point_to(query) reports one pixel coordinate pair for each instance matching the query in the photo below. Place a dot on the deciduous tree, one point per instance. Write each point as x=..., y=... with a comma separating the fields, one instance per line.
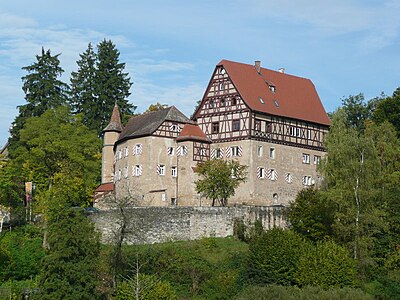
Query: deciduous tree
x=219, y=179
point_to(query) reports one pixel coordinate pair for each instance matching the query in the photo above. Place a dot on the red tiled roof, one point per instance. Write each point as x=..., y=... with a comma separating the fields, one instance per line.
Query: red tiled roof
x=192, y=132
x=295, y=97
x=105, y=187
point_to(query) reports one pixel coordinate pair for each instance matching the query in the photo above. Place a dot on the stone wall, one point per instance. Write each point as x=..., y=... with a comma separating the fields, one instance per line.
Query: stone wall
x=148, y=225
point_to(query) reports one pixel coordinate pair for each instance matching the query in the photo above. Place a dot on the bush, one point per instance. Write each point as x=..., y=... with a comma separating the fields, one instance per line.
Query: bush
x=273, y=257
x=276, y=292
x=326, y=265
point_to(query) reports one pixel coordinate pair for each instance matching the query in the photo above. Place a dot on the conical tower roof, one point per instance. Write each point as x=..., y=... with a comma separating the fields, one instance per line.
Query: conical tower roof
x=115, y=122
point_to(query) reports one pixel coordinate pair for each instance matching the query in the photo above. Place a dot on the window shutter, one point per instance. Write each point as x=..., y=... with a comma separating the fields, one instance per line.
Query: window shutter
x=228, y=152
x=212, y=153
x=158, y=169
x=259, y=172
x=240, y=151
x=140, y=170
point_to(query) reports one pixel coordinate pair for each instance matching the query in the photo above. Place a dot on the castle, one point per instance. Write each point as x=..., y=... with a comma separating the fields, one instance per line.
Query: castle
x=270, y=121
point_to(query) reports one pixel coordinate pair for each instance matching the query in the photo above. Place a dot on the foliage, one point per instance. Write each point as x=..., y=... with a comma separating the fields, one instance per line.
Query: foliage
x=350, y=171
x=388, y=109
x=112, y=86
x=210, y=268
x=326, y=265
x=83, y=90
x=69, y=267
x=311, y=215
x=43, y=90
x=219, y=179
x=20, y=254
x=357, y=111
x=60, y=149
x=155, y=107
x=273, y=292
x=274, y=256
x=146, y=287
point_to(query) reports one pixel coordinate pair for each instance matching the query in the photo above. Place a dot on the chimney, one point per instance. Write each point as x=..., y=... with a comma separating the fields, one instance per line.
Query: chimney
x=281, y=70
x=257, y=65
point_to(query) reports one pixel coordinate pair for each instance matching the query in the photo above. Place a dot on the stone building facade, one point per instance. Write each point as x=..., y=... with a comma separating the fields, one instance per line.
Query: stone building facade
x=270, y=121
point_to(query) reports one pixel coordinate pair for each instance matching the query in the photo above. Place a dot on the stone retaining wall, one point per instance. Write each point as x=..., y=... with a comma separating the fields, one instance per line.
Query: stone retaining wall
x=148, y=225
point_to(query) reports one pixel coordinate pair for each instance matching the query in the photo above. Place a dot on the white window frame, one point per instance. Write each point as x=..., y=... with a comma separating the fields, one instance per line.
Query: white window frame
x=259, y=151
x=272, y=153
x=137, y=170
x=218, y=153
x=306, y=158
x=174, y=127
x=262, y=172
x=137, y=149
x=174, y=171
x=274, y=175
x=162, y=170
x=307, y=180
x=317, y=159
x=235, y=151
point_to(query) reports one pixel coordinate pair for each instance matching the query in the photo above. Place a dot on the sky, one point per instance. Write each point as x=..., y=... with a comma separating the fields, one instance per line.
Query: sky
x=170, y=48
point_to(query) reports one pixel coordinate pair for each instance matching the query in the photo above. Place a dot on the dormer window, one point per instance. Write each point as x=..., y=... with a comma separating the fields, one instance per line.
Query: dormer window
x=261, y=100
x=272, y=88
x=276, y=103
x=174, y=127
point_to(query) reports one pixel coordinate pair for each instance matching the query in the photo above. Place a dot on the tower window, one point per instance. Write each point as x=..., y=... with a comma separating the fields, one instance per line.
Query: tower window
x=236, y=125
x=215, y=127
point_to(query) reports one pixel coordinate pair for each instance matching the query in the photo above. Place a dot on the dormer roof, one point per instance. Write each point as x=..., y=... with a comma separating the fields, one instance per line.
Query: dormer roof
x=192, y=132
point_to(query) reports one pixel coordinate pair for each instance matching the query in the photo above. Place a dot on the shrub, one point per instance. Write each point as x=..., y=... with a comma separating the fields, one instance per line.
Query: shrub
x=326, y=265
x=273, y=257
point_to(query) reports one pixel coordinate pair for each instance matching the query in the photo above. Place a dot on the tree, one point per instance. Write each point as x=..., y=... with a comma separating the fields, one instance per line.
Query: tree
x=155, y=107
x=43, y=90
x=69, y=267
x=219, y=179
x=350, y=169
x=389, y=109
x=312, y=215
x=112, y=85
x=357, y=111
x=326, y=265
x=83, y=90
x=59, y=148
x=274, y=256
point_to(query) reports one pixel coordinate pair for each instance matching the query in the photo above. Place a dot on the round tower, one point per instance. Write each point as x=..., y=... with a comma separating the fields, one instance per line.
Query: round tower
x=110, y=136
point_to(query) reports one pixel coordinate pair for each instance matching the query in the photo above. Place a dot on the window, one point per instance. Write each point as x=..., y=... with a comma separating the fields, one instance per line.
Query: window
x=261, y=100
x=126, y=171
x=236, y=151
x=218, y=153
x=260, y=172
x=119, y=153
x=236, y=125
x=288, y=178
x=272, y=88
x=223, y=103
x=182, y=150
x=306, y=158
x=119, y=174
x=137, y=170
x=173, y=201
x=234, y=101
x=137, y=149
x=215, y=127
x=171, y=151
x=317, y=159
x=276, y=103
x=259, y=150
x=268, y=127
x=174, y=171
x=275, y=198
x=161, y=170
x=257, y=125
x=163, y=197
x=211, y=104
x=272, y=153
x=221, y=86
x=307, y=180
x=272, y=175
x=126, y=151
x=174, y=127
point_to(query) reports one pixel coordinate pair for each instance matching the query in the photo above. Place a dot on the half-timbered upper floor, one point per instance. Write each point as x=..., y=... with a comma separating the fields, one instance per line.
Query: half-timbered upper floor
x=249, y=102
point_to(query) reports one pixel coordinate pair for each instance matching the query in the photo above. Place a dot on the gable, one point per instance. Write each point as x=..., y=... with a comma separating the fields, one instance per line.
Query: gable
x=270, y=92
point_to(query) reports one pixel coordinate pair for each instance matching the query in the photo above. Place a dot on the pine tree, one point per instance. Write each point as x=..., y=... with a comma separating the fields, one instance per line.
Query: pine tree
x=112, y=85
x=83, y=91
x=43, y=90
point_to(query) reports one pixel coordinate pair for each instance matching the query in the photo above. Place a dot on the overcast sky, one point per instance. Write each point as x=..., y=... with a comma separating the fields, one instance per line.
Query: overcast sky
x=171, y=47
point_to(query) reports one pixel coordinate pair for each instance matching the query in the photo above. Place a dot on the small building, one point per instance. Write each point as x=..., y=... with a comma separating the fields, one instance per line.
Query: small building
x=270, y=121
